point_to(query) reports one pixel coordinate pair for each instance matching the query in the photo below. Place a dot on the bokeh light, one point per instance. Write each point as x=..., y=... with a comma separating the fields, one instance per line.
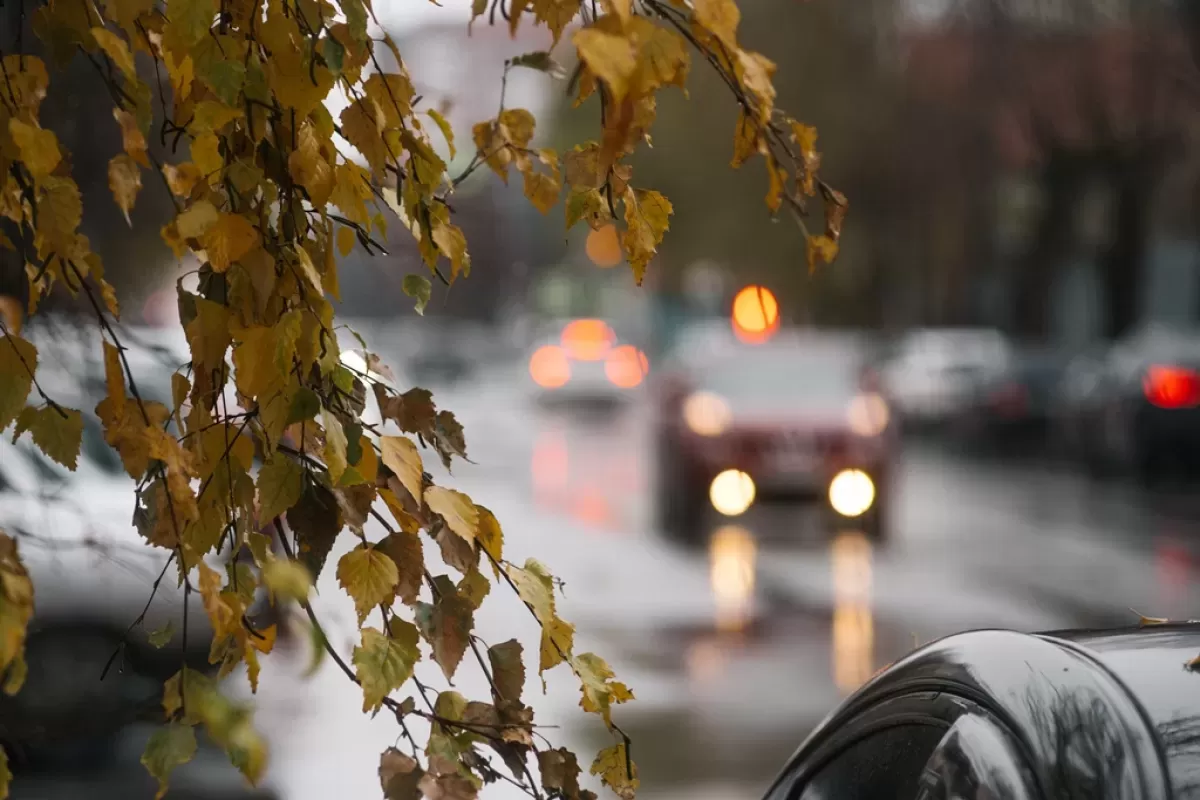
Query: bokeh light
x=587, y=339
x=604, y=247
x=549, y=367
x=732, y=492
x=851, y=493
x=732, y=556
x=755, y=314
x=626, y=366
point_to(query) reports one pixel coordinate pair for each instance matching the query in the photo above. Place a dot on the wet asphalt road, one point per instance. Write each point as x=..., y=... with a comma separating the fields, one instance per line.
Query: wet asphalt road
x=737, y=650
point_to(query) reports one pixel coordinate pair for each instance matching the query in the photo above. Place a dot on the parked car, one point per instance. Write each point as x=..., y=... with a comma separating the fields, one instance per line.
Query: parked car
x=1138, y=410
x=996, y=714
x=791, y=419
x=930, y=371
x=1012, y=408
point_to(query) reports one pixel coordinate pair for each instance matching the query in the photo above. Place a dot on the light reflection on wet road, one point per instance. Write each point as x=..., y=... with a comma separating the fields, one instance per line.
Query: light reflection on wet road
x=735, y=651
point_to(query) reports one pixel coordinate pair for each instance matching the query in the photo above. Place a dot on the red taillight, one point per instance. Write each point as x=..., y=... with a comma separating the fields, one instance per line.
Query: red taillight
x=1172, y=387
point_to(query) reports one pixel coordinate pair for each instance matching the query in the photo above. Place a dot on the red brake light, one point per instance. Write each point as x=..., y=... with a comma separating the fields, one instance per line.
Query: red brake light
x=1172, y=387
x=1010, y=399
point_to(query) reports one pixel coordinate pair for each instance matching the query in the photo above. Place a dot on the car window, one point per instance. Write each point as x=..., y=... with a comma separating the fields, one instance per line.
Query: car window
x=786, y=377
x=885, y=765
x=976, y=760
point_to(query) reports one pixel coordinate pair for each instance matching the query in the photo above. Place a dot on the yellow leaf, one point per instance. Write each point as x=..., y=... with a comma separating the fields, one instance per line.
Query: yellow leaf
x=309, y=167
x=206, y=155
x=821, y=250
x=295, y=85
x=622, y=9
x=182, y=178
x=392, y=94
x=400, y=455
x=382, y=663
x=117, y=49
x=453, y=244
x=369, y=577
x=18, y=363
x=263, y=356
x=125, y=181
x=444, y=126
x=58, y=433
x=287, y=578
x=456, y=508
x=617, y=771
x=754, y=70
x=5, y=774
x=132, y=140
x=490, y=537
x=39, y=147
x=542, y=188
x=350, y=190
x=309, y=270
x=558, y=639
x=335, y=445
x=556, y=15
x=610, y=57
x=345, y=240
x=746, y=140
x=721, y=18
x=535, y=587
x=230, y=238
x=775, y=177
x=196, y=220
x=647, y=218
x=661, y=55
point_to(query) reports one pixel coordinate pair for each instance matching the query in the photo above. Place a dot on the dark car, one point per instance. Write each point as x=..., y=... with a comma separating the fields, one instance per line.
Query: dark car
x=794, y=419
x=996, y=714
x=1012, y=408
x=1138, y=411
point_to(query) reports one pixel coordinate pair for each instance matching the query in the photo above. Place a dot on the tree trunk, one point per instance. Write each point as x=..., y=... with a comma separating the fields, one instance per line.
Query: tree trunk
x=1122, y=264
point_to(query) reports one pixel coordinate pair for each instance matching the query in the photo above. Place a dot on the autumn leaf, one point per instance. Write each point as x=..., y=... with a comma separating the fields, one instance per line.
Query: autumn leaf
x=116, y=49
x=169, y=747
x=287, y=578
x=558, y=640
x=419, y=288
x=490, y=537
x=335, y=445
x=197, y=219
x=400, y=455
x=446, y=625
x=453, y=245
x=406, y=552
x=456, y=508
x=720, y=18
x=560, y=772
x=125, y=181
x=383, y=662
x=38, y=147
x=280, y=484
x=368, y=576
x=609, y=56
x=315, y=520
x=399, y=775
x=228, y=239
x=57, y=431
x=617, y=771
x=647, y=217
x=821, y=250
x=508, y=670
x=18, y=362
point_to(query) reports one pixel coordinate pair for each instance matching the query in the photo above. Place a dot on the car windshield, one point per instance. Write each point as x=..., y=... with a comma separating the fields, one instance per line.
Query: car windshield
x=782, y=378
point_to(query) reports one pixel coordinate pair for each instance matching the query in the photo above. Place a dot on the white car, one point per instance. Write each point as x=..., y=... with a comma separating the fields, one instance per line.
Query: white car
x=584, y=361
x=930, y=373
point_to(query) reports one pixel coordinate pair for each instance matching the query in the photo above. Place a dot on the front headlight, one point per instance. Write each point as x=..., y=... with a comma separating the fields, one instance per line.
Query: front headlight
x=851, y=493
x=706, y=414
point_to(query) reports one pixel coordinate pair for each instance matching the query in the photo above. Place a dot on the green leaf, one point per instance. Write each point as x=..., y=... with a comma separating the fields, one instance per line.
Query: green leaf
x=162, y=636
x=369, y=577
x=305, y=405
x=540, y=60
x=18, y=361
x=280, y=485
x=169, y=747
x=334, y=54
x=383, y=663
x=58, y=433
x=419, y=288
x=446, y=625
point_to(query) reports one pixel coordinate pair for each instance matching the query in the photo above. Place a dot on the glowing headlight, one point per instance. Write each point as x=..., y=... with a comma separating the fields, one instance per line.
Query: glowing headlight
x=706, y=414
x=732, y=492
x=868, y=415
x=851, y=493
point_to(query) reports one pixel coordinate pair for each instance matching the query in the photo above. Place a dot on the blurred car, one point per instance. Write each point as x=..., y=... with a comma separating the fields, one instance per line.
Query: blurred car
x=1138, y=410
x=795, y=418
x=93, y=576
x=929, y=373
x=585, y=363
x=997, y=714
x=1013, y=407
